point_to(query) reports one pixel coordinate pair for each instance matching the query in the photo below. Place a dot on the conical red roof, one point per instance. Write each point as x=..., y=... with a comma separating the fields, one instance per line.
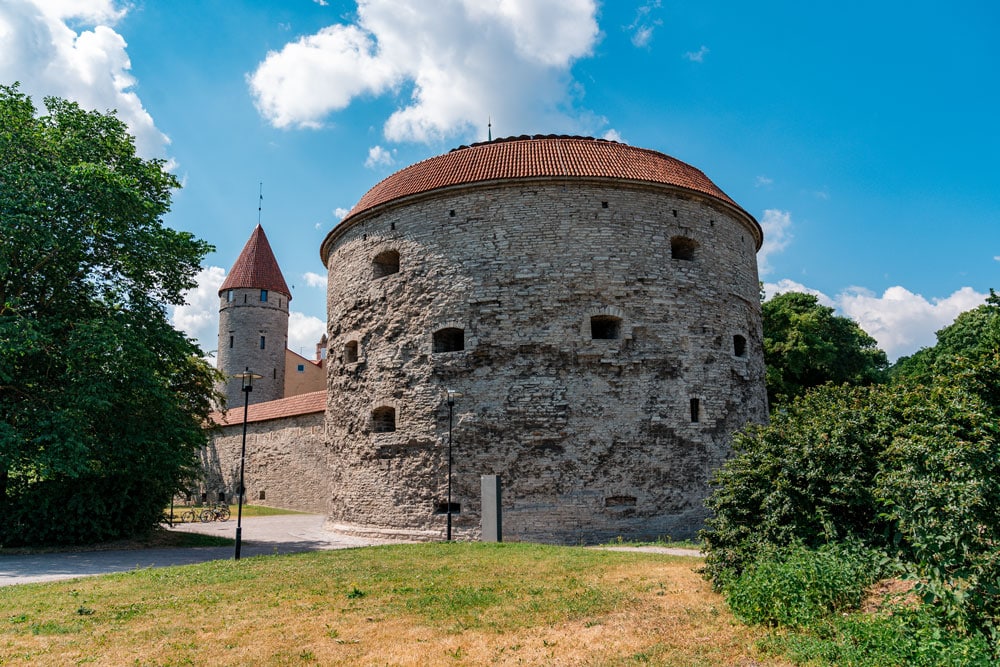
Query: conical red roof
x=256, y=268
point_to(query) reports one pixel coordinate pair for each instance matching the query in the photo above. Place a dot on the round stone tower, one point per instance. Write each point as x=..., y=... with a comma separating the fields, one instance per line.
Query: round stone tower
x=253, y=322
x=594, y=304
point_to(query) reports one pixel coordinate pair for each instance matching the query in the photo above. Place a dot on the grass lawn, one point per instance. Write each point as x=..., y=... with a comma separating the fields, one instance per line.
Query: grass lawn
x=415, y=604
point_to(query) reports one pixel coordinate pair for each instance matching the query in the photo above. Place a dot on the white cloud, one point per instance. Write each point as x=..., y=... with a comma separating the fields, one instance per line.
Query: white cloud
x=304, y=331
x=199, y=316
x=613, y=135
x=379, y=157
x=341, y=213
x=786, y=285
x=644, y=24
x=762, y=181
x=90, y=67
x=314, y=279
x=777, y=235
x=451, y=67
x=697, y=56
x=902, y=322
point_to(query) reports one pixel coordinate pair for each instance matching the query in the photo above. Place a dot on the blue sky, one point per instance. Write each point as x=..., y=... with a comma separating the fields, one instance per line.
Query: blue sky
x=863, y=136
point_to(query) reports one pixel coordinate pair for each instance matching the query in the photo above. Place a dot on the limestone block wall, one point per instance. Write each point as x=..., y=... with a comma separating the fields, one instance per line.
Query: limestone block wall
x=287, y=463
x=253, y=334
x=592, y=437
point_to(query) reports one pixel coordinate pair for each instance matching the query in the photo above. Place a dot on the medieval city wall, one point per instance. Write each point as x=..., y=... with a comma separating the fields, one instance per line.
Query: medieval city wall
x=287, y=464
x=592, y=438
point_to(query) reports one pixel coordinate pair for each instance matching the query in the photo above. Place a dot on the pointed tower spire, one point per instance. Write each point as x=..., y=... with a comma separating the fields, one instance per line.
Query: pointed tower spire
x=256, y=268
x=253, y=322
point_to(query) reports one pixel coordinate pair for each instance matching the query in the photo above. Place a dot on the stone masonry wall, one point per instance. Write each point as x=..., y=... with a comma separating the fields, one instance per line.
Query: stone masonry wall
x=246, y=320
x=287, y=461
x=592, y=438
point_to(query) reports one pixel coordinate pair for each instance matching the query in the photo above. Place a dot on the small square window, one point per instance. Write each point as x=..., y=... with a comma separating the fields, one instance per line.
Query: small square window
x=605, y=327
x=302, y=368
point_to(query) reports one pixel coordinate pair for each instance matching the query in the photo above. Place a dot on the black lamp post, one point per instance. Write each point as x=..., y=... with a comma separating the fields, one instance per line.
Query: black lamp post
x=247, y=377
x=452, y=395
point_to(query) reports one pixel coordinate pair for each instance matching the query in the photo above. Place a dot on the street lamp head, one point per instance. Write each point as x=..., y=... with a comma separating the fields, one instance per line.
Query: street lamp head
x=452, y=395
x=247, y=378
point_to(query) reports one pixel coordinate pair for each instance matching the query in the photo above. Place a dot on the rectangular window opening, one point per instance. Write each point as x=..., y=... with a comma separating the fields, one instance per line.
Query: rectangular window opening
x=263, y=295
x=695, y=410
x=442, y=508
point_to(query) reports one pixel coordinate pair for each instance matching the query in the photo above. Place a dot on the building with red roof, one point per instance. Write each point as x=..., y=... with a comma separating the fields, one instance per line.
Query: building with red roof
x=579, y=317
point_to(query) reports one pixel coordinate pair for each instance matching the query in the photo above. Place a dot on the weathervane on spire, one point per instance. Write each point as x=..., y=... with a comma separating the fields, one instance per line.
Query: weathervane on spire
x=489, y=128
x=260, y=200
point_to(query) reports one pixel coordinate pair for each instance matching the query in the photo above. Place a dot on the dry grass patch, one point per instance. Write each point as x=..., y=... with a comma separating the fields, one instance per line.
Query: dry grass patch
x=422, y=604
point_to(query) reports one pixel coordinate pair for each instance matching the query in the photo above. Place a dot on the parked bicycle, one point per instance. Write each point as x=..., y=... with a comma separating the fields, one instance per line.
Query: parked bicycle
x=217, y=512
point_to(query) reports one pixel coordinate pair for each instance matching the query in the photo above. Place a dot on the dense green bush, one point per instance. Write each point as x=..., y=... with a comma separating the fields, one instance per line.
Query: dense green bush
x=939, y=486
x=808, y=477
x=796, y=587
x=902, y=638
x=83, y=510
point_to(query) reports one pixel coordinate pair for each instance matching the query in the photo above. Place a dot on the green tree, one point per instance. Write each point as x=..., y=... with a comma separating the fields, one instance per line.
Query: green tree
x=806, y=345
x=911, y=469
x=974, y=335
x=102, y=401
x=807, y=477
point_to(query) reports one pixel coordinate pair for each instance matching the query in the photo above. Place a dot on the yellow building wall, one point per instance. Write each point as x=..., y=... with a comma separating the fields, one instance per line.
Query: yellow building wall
x=303, y=375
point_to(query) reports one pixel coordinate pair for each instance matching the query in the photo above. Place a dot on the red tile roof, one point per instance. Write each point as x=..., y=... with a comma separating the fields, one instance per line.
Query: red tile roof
x=303, y=404
x=539, y=156
x=256, y=268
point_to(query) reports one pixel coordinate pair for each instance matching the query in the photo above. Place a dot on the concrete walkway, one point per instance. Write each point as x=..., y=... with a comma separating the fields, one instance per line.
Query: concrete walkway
x=262, y=536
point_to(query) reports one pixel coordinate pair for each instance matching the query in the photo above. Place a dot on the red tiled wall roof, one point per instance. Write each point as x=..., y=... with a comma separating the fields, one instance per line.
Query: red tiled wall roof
x=539, y=156
x=256, y=268
x=303, y=404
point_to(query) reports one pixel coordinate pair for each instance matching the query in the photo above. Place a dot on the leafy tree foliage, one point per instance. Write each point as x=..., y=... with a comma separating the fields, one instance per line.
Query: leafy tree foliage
x=102, y=401
x=806, y=345
x=909, y=469
x=808, y=477
x=975, y=334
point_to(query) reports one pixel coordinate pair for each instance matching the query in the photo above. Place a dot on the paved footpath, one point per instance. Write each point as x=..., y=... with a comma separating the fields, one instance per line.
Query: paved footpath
x=262, y=536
